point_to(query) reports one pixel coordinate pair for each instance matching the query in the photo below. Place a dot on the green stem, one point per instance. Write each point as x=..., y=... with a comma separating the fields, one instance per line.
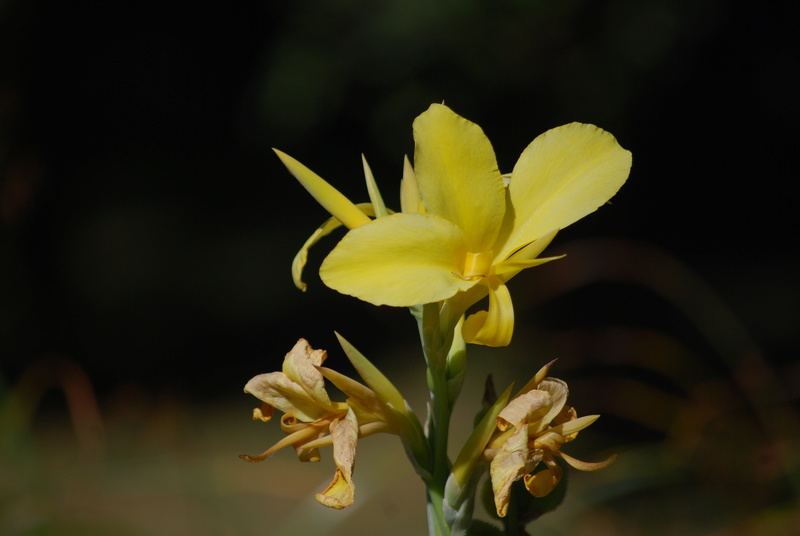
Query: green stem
x=441, y=423
x=437, y=526
x=435, y=346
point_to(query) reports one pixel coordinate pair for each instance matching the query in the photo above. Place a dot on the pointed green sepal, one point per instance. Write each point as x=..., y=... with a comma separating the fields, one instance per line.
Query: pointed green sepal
x=456, y=364
x=412, y=435
x=374, y=377
x=473, y=449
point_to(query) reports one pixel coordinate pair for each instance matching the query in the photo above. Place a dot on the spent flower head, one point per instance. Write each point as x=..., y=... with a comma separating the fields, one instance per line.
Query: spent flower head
x=311, y=420
x=530, y=432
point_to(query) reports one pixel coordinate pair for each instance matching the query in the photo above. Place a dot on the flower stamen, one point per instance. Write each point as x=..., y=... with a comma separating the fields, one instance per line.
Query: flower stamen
x=477, y=264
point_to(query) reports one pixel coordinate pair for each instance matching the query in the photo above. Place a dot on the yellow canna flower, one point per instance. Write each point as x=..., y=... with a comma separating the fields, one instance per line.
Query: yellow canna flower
x=311, y=420
x=475, y=228
x=530, y=431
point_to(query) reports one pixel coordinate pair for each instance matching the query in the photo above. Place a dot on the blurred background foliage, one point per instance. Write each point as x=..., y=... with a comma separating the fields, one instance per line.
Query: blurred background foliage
x=147, y=233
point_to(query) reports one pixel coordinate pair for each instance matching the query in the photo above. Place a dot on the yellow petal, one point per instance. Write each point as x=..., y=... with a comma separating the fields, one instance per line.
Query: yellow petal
x=299, y=261
x=574, y=426
x=306, y=453
x=409, y=191
x=326, y=195
x=300, y=365
x=297, y=436
x=330, y=225
x=495, y=326
x=364, y=430
x=277, y=390
x=511, y=463
x=526, y=257
x=563, y=175
x=512, y=267
x=301, y=436
x=567, y=414
x=457, y=174
x=340, y=493
x=532, y=250
x=558, y=391
x=300, y=389
x=543, y=482
x=588, y=466
x=524, y=409
x=550, y=441
x=400, y=260
x=372, y=188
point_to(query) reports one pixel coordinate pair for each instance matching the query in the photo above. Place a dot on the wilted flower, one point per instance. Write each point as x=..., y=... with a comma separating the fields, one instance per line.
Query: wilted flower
x=312, y=420
x=530, y=432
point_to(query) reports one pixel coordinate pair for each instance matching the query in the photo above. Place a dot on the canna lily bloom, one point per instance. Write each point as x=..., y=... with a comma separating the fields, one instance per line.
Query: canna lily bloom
x=312, y=420
x=530, y=432
x=471, y=228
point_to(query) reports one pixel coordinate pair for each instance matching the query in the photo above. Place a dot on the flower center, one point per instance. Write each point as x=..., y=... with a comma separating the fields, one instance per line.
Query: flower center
x=477, y=264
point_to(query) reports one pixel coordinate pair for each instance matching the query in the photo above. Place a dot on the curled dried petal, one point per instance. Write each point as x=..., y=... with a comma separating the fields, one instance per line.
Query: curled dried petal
x=524, y=409
x=511, y=462
x=340, y=493
x=543, y=482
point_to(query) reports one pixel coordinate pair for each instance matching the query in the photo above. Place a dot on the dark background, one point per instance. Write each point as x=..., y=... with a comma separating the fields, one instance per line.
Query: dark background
x=147, y=232
x=147, y=228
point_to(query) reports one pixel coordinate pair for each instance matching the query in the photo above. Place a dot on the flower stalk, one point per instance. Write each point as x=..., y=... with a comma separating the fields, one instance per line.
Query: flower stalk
x=464, y=230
